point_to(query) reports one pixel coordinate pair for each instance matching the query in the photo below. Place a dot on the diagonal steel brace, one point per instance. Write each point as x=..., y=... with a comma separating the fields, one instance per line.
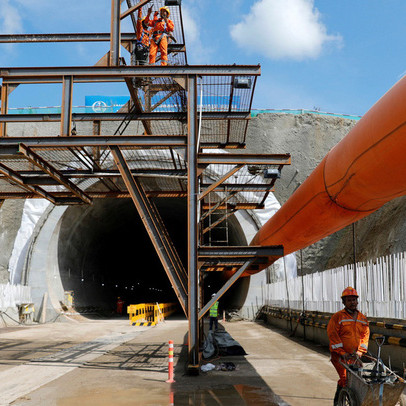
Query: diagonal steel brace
x=153, y=226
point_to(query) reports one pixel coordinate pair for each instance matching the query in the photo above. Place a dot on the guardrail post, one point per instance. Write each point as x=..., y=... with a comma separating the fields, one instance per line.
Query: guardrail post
x=170, y=363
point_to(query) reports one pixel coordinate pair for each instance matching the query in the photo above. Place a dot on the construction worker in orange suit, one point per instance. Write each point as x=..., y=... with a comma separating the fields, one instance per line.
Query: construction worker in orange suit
x=161, y=28
x=348, y=332
x=142, y=46
x=120, y=304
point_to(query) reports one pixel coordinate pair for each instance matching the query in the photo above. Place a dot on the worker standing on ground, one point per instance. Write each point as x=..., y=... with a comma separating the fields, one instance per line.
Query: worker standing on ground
x=120, y=304
x=162, y=26
x=348, y=332
x=142, y=46
x=214, y=311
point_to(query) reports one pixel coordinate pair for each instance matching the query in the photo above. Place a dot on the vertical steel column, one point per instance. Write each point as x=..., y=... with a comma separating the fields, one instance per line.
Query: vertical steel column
x=4, y=108
x=115, y=34
x=193, y=365
x=66, y=109
x=96, y=150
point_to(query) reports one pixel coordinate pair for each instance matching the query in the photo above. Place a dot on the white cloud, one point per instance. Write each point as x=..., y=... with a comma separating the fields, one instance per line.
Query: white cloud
x=197, y=52
x=283, y=29
x=10, y=19
x=190, y=26
x=401, y=75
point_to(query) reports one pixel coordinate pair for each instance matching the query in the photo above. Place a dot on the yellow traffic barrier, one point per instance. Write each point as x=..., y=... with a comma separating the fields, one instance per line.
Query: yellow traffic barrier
x=149, y=314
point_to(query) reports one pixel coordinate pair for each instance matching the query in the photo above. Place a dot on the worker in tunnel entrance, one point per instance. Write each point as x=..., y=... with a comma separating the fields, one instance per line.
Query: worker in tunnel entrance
x=120, y=304
x=162, y=28
x=214, y=312
x=348, y=333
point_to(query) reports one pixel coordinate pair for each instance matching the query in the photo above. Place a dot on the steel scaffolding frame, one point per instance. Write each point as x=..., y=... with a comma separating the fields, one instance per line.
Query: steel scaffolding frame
x=62, y=168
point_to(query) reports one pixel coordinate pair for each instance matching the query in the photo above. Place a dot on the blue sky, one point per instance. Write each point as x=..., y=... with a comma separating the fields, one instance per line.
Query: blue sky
x=339, y=56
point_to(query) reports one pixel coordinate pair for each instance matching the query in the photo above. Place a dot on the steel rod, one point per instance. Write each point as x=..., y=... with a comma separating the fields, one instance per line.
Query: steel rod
x=49, y=117
x=143, y=141
x=192, y=227
x=130, y=71
x=66, y=108
x=115, y=38
x=141, y=203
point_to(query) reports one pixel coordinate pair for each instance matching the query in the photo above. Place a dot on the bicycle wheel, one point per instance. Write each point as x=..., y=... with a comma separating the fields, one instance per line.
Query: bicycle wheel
x=347, y=397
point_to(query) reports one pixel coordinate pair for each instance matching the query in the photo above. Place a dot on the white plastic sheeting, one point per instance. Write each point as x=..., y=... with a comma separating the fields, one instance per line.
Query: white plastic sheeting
x=33, y=210
x=284, y=265
x=14, y=295
x=381, y=285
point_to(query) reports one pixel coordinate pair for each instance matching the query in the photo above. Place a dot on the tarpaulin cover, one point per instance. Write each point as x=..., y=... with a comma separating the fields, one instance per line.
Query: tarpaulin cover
x=220, y=342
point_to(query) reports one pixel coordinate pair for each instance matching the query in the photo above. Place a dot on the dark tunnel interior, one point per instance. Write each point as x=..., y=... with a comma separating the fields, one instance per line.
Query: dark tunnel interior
x=104, y=252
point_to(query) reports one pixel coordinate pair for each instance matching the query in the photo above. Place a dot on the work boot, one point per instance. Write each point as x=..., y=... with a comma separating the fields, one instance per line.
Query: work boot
x=337, y=395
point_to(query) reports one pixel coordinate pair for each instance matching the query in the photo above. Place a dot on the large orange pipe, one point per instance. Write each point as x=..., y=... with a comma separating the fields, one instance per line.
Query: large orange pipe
x=365, y=170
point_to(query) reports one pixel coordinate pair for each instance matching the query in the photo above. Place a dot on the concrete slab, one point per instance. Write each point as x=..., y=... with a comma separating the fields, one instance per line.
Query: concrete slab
x=106, y=362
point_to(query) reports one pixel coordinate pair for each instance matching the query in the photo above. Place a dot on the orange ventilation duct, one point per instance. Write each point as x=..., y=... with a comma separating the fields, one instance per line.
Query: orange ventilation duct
x=365, y=170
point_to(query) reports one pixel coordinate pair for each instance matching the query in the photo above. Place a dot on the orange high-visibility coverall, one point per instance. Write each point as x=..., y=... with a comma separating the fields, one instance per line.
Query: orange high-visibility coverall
x=143, y=34
x=159, y=28
x=346, y=335
x=120, y=304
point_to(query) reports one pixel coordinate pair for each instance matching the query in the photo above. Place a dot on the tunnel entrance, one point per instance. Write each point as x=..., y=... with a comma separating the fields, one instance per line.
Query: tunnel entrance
x=104, y=252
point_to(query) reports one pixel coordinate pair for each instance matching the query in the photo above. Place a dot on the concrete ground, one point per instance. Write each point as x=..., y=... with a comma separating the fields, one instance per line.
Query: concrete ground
x=108, y=362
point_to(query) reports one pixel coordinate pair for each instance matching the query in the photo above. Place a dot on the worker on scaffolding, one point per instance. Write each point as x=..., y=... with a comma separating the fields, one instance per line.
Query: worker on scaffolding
x=214, y=312
x=142, y=45
x=348, y=332
x=162, y=27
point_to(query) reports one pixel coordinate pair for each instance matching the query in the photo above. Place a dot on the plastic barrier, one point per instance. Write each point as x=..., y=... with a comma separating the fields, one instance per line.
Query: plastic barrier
x=149, y=314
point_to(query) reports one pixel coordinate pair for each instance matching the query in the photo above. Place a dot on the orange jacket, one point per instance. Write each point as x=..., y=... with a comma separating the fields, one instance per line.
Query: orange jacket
x=159, y=26
x=143, y=34
x=347, y=335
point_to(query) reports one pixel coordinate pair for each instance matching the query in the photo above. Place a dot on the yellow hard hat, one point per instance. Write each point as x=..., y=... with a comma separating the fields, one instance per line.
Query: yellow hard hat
x=349, y=292
x=166, y=9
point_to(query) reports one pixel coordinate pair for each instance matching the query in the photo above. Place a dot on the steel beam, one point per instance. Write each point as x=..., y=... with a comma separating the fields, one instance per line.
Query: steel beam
x=4, y=108
x=11, y=143
x=137, y=105
x=252, y=159
x=53, y=173
x=66, y=107
x=19, y=180
x=213, y=186
x=224, y=288
x=115, y=34
x=75, y=37
x=28, y=118
x=153, y=228
x=207, y=253
x=219, y=221
x=192, y=201
x=93, y=195
x=242, y=187
x=129, y=71
x=111, y=173
x=237, y=206
x=134, y=8
x=40, y=181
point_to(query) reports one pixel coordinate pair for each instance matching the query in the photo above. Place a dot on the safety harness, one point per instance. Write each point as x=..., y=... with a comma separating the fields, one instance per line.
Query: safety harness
x=155, y=33
x=141, y=51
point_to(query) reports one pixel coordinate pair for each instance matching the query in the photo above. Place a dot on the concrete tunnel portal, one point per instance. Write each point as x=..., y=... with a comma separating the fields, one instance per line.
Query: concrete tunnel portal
x=104, y=252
